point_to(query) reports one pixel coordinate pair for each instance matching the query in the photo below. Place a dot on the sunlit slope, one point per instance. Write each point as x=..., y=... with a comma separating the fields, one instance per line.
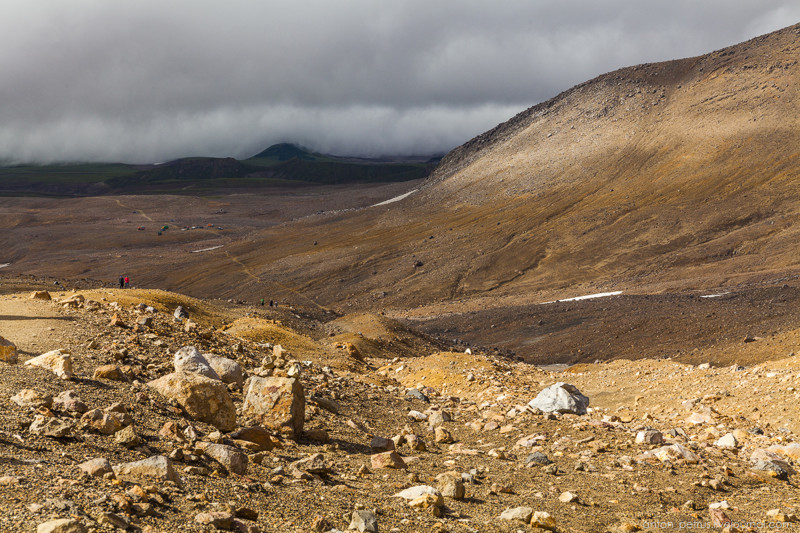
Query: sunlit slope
x=681, y=174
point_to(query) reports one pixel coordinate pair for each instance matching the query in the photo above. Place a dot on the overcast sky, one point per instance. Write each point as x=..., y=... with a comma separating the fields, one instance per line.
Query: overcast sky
x=152, y=80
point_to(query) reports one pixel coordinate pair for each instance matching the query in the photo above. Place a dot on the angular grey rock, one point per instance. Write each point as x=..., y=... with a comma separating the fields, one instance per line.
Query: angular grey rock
x=416, y=393
x=228, y=370
x=364, y=521
x=775, y=468
x=51, y=426
x=276, y=403
x=155, y=468
x=560, y=398
x=537, y=458
x=203, y=398
x=189, y=359
x=180, y=313
x=231, y=458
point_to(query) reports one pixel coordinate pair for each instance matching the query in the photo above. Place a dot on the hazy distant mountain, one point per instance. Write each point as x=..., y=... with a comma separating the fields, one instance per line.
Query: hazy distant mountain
x=280, y=164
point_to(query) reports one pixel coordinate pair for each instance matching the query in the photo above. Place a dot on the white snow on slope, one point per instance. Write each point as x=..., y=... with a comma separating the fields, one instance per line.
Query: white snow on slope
x=207, y=249
x=587, y=297
x=395, y=199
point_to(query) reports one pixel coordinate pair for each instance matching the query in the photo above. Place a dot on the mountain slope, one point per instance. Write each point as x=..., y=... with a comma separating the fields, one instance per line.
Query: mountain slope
x=676, y=175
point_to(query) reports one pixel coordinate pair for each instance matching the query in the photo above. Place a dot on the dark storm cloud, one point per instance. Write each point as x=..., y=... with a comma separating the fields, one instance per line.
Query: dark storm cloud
x=150, y=80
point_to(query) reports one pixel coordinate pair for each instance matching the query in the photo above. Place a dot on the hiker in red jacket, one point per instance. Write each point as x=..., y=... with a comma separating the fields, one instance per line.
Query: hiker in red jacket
x=127, y=282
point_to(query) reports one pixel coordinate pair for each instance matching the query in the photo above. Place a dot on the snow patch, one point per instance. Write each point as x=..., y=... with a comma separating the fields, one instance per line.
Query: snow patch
x=4, y=265
x=396, y=198
x=207, y=249
x=715, y=295
x=587, y=297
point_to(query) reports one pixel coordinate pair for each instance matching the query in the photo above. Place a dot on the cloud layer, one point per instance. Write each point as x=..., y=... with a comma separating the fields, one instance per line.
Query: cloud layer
x=146, y=80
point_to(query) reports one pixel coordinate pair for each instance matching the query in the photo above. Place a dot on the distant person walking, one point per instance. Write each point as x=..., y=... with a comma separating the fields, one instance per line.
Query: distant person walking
x=121, y=282
x=127, y=282
x=262, y=302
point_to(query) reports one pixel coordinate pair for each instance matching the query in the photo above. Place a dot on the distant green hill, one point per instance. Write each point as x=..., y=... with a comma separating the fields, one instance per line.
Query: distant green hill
x=280, y=164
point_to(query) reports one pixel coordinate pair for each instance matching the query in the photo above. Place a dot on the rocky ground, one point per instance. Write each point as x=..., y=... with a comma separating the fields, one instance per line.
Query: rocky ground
x=664, y=445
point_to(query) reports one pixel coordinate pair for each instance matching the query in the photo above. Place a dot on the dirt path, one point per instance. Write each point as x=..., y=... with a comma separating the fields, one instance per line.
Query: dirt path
x=34, y=326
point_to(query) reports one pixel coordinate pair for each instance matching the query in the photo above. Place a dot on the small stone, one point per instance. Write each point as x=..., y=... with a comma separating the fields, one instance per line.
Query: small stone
x=255, y=434
x=318, y=435
x=776, y=515
x=314, y=464
x=229, y=457
x=419, y=491
x=387, y=460
x=57, y=361
x=568, y=497
x=216, y=519
x=442, y=436
x=517, y=514
x=719, y=518
x=451, y=486
x=96, y=467
x=363, y=520
x=155, y=468
x=774, y=469
x=51, y=426
x=537, y=459
x=127, y=437
x=381, y=444
x=41, y=295
x=31, y=398
x=727, y=441
x=116, y=321
x=70, y=402
x=649, y=436
x=61, y=525
x=543, y=520
x=109, y=372
x=415, y=442
x=417, y=416
x=114, y=520
x=8, y=351
x=437, y=418
x=105, y=423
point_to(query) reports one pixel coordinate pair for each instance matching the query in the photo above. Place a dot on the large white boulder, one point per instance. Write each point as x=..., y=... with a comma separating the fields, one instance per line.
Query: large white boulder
x=560, y=398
